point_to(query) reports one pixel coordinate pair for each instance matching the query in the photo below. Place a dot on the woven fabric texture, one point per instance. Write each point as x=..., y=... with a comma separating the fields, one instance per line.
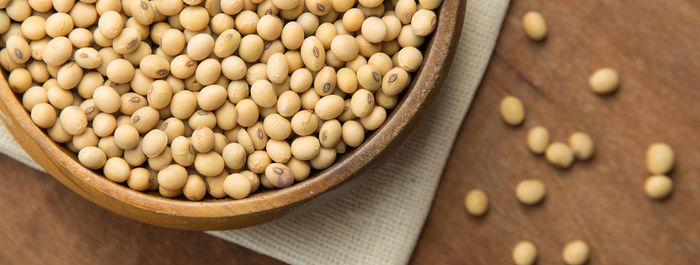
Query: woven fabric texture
x=379, y=218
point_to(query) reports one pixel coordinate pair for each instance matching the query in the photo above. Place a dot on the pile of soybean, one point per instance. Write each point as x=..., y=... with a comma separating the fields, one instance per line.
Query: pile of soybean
x=218, y=96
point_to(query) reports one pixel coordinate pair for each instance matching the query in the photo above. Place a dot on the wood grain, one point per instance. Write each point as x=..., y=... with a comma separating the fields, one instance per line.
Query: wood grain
x=651, y=43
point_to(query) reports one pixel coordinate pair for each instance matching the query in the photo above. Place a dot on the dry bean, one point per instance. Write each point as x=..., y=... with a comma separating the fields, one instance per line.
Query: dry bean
x=369, y=77
x=423, y=22
x=116, y=169
x=660, y=158
x=194, y=18
x=658, y=186
x=195, y=188
x=374, y=119
x=538, y=139
x=139, y=179
x=182, y=151
x=237, y=186
x=173, y=177
x=209, y=164
x=353, y=133
x=530, y=192
x=512, y=110
x=258, y=161
x=604, y=81
x=559, y=154
x=43, y=115
x=575, y=253
x=524, y=253
x=104, y=124
x=535, y=26
x=202, y=118
x=476, y=202
x=582, y=145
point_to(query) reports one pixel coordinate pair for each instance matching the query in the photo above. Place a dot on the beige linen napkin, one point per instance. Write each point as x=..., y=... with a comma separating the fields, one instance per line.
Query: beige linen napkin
x=379, y=217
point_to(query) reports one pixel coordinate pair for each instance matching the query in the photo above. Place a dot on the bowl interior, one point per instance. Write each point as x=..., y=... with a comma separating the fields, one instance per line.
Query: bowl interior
x=262, y=206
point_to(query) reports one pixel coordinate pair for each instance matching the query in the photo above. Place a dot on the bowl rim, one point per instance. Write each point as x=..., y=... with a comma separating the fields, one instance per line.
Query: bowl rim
x=95, y=187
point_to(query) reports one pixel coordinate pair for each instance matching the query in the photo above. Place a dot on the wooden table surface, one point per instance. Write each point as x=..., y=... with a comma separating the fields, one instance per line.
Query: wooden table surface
x=652, y=44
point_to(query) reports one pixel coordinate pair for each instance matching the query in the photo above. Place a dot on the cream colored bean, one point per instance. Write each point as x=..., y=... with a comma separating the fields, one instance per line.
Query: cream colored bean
x=154, y=143
x=183, y=104
x=195, y=188
x=374, y=119
x=110, y=148
x=106, y=99
x=535, y=26
x=126, y=136
x=660, y=158
x=145, y=119
x=277, y=127
x=658, y=187
x=200, y=46
x=423, y=22
x=313, y=54
x=325, y=81
x=251, y=48
x=300, y=169
x=258, y=161
x=161, y=161
x=277, y=68
x=116, y=169
x=58, y=134
x=512, y=110
x=209, y=164
x=202, y=118
x=524, y=253
x=353, y=133
x=410, y=59
x=530, y=192
x=330, y=107
x=279, y=175
x=194, y=18
x=278, y=151
x=582, y=145
x=104, y=124
x=35, y=95
x=362, y=103
x=173, y=177
x=139, y=179
x=43, y=115
x=292, y=35
x=237, y=186
x=182, y=151
x=247, y=112
x=559, y=154
x=263, y=93
x=288, y=103
x=306, y=147
x=234, y=155
x=300, y=80
x=575, y=253
x=203, y=139
x=304, y=123
x=476, y=202
x=395, y=81
x=538, y=139
x=369, y=77
x=604, y=81
x=233, y=68
x=110, y=24
x=73, y=120
x=374, y=29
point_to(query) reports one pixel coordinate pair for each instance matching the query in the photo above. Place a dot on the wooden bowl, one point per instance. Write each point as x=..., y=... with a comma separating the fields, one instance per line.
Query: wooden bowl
x=213, y=214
